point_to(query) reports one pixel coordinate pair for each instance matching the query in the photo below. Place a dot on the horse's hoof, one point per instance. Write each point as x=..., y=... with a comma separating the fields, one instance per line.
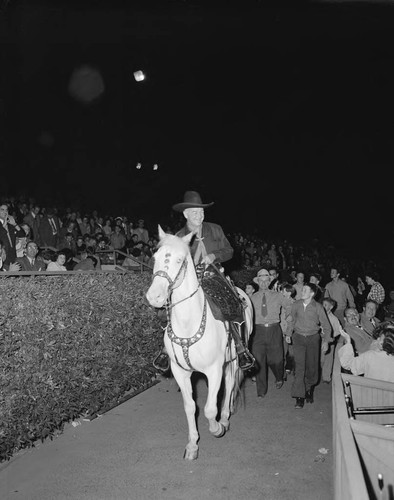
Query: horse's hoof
x=226, y=426
x=190, y=455
x=221, y=431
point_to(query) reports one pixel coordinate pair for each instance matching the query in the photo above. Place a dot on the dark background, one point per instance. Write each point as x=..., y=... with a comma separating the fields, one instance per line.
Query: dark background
x=280, y=113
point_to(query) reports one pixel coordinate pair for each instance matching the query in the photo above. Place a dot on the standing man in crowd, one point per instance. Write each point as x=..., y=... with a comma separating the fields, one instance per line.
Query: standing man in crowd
x=338, y=290
x=32, y=219
x=308, y=319
x=50, y=229
x=209, y=248
x=299, y=284
x=267, y=346
x=9, y=231
x=141, y=231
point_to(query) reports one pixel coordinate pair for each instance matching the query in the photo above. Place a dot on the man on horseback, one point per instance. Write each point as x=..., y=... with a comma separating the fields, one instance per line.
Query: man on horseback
x=209, y=248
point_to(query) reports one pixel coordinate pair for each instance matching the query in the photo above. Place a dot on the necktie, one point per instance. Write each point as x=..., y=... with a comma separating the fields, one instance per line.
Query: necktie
x=373, y=322
x=54, y=230
x=264, y=311
x=8, y=234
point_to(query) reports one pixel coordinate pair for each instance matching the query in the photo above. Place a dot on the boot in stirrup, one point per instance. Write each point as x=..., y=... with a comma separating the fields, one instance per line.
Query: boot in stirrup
x=246, y=360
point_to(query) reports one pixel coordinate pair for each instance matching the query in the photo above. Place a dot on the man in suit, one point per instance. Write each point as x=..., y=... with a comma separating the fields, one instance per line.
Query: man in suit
x=368, y=319
x=29, y=262
x=49, y=229
x=9, y=231
x=32, y=219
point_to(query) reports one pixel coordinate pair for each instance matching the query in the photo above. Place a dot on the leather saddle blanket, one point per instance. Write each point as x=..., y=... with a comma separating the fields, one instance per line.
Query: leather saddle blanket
x=223, y=299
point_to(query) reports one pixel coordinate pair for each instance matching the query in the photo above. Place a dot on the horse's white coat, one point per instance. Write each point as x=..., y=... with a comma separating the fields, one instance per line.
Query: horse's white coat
x=211, y=355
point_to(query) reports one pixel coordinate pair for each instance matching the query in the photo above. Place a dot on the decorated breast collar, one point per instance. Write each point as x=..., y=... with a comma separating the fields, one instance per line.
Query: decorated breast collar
x=185, y=343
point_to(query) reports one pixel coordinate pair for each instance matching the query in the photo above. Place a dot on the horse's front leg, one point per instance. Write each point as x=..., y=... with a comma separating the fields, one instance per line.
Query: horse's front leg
x=183, y=379
x=214, y=376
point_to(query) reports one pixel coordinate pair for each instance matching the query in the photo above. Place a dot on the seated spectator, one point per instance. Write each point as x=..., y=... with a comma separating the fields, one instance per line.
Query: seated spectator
x=378, y=361
x=47, y=255
x=80, y=246
x=96, y=259
x=134, y=261
x=12, y=267
x=368, y=319
x=85, y=263
x=58, y=264
x=68, y=242
x=361, y=340
x=29, y=261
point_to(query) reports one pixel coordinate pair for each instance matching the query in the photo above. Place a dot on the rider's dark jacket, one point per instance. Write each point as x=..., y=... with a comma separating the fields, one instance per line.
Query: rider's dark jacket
x=214, y=239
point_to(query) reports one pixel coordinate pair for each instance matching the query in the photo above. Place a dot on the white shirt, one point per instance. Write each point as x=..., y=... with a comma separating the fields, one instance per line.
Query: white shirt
x=54, y=266
x=374, y=363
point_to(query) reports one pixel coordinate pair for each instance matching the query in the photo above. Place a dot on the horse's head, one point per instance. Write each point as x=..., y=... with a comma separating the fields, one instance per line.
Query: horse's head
x=170, y=265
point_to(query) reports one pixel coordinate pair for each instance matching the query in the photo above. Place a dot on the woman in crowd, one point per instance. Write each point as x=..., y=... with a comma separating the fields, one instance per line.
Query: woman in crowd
x=58, y=264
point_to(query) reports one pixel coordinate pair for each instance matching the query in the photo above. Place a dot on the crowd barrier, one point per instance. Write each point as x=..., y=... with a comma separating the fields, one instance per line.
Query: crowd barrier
x=363, y=437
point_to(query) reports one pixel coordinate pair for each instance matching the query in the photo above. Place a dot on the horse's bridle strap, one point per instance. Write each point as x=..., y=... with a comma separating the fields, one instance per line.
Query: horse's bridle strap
x=165, y=275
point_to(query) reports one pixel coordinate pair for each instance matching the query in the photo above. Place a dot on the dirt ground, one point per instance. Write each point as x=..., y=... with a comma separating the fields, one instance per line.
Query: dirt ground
x=135, y=451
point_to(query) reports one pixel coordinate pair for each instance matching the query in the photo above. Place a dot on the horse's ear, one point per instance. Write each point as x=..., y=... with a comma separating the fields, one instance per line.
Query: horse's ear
x=161, y=233
x=188, y=237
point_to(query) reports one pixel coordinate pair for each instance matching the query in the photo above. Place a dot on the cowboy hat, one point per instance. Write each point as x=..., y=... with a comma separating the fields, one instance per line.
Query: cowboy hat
x=262, y=274
x=191, y=199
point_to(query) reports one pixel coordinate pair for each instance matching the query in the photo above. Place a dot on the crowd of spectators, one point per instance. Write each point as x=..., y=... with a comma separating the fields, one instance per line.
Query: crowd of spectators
x=82, y=235
x=34, y=237
x=357, y=296
x=359, y=293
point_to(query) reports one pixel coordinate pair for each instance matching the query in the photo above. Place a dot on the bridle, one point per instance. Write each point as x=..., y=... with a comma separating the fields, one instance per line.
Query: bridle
x=173, y=285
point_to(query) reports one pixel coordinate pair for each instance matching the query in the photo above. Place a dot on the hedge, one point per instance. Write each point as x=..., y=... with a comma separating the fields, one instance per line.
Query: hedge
x=70, y=345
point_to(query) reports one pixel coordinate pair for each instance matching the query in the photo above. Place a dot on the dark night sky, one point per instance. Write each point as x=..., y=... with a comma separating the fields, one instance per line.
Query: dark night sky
x=263, y=107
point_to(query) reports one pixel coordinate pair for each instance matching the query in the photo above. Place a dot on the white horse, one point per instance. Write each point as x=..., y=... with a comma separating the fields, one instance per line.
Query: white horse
x=194, y=339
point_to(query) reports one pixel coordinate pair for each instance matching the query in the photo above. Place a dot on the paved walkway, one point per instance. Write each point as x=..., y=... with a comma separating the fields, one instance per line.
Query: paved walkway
x=135, y=451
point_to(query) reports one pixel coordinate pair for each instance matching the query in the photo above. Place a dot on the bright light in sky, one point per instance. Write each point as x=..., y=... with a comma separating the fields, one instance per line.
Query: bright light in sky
x=139, y=76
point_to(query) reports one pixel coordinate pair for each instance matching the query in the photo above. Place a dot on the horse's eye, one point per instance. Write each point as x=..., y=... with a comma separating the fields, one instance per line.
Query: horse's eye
x=179, y=260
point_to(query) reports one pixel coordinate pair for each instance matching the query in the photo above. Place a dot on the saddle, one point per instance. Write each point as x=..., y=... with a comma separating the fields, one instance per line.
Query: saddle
x=221, y=294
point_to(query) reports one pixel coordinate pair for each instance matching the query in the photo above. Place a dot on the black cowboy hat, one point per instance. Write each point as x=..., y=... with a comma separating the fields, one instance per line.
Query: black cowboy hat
x=191, y=199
